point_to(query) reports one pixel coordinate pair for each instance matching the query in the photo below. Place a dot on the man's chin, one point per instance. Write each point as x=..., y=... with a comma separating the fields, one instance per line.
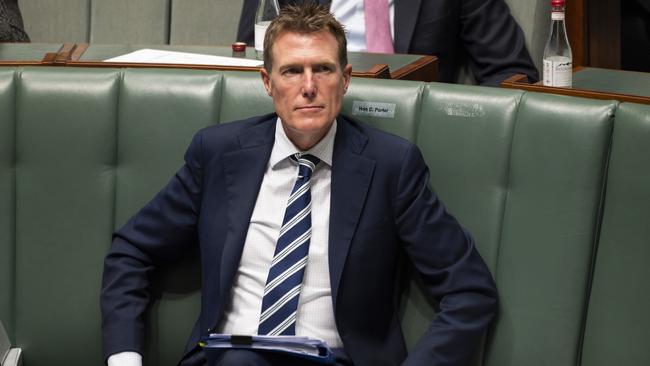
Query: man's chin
x=309, y=125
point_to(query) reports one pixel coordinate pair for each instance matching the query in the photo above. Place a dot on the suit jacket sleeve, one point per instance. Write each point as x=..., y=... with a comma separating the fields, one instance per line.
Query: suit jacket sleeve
x=453, y=272
x=163, y=231
x=494, y=42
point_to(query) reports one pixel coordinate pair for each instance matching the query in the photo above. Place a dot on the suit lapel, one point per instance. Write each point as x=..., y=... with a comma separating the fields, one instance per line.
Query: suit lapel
x=406, y=15
x=351, y=177
x=244, y=170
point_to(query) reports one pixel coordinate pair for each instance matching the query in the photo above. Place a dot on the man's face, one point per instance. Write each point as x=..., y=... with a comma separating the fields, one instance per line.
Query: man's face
x=307, y=84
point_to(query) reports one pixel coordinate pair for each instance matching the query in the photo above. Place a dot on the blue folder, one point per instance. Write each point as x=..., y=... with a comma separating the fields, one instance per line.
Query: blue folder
x=303, y=347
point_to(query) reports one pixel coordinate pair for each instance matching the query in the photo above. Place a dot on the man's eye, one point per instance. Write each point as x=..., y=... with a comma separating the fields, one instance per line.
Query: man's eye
x=322, y=68
x=291, y=71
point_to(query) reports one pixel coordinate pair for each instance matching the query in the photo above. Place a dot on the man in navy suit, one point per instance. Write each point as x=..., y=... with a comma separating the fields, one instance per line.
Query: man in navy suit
x=370, y=207
x=479, y=33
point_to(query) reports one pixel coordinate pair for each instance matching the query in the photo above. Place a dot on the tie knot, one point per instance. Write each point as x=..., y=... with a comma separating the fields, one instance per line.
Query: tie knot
x=306, y=164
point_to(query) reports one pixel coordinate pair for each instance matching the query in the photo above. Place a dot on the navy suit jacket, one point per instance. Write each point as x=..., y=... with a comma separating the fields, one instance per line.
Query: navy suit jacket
x=481, y=33
x=381, y=211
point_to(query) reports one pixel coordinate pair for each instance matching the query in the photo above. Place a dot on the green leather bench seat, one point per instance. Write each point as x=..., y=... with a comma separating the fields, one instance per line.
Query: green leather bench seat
x=524, y=173
x=618, y=325
x=555, y=179
x=82, y=149
x=65, y=178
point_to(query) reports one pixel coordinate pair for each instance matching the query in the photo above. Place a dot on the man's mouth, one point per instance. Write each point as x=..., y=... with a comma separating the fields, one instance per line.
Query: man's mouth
x=308, y=108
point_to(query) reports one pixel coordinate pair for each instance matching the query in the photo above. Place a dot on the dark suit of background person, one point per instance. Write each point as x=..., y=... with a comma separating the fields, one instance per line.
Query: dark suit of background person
x=11, y=22
x=635, y=35
x=480, y=31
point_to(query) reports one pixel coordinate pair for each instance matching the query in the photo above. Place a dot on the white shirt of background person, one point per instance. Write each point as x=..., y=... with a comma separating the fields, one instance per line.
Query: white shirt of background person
x=350, y=13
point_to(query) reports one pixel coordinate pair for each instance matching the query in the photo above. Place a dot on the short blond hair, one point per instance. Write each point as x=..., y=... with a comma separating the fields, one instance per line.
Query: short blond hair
x=304, y=19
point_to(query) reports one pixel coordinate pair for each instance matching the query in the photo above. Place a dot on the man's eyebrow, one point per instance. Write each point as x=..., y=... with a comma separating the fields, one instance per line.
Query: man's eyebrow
x=289, y=66
x=300, y=66
x=324, y=63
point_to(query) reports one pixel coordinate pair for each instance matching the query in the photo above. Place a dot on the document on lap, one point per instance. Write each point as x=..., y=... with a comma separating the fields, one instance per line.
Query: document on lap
x=305, y=347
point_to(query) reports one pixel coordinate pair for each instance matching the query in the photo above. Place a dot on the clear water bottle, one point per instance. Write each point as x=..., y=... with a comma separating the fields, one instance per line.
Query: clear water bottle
x=267, y=10
x=558, y=60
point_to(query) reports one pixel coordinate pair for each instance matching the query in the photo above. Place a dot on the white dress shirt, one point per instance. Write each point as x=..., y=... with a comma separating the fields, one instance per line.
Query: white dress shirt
x=315, y=314
x=350, y=13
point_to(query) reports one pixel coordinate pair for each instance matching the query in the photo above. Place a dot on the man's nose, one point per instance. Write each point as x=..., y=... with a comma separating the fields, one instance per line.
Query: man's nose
x=308, y=85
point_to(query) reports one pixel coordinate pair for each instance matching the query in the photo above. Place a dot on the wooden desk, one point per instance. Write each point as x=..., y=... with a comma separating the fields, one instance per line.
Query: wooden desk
x=32, y=53
x=596, y=83
x=394, y=66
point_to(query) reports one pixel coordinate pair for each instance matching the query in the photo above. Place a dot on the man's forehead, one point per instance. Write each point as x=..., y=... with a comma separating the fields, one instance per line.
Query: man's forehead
x=313, y=45
x=322, y=35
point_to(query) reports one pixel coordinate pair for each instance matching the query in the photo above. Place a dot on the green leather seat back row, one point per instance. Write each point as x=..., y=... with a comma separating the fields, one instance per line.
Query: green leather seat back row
x=195, y=22
x=522, y=171
x=618, y=326
x=526, y=179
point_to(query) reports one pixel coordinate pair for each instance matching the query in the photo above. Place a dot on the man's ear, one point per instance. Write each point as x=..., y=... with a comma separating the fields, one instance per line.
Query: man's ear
x=347, y=75
x=266, y=79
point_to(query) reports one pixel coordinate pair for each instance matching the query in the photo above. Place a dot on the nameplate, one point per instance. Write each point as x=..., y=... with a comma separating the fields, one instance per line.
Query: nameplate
x=374, y=109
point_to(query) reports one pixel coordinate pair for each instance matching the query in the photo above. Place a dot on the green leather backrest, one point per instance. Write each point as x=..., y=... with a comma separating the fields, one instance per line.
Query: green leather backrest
x=129, y=22
x=618, y=324
x=158, y=113
x=204, y=22
x=505, y=165
x=189, y=22
x=65, y=179
x=48, y=21
x=557, y=159
x=7, y=196
x=464, y=136
x=243, y=96
x=395, y=109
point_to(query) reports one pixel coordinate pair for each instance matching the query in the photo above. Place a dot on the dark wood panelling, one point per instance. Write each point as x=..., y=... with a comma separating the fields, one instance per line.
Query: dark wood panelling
x=576, y=23
x=604, y=33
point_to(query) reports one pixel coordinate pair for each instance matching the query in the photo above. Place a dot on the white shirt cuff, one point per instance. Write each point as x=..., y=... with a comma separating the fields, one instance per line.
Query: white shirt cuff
x=125, y=359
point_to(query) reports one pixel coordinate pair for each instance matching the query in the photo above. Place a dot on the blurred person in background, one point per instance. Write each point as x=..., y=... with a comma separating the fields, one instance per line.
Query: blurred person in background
x=11, y=22
x=479, y=33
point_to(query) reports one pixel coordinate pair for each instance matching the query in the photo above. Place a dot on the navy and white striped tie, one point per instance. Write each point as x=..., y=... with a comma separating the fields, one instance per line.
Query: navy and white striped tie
x=283, y=284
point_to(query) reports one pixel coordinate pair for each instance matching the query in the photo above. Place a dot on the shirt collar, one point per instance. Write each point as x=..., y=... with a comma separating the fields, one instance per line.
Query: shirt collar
x=283, y=147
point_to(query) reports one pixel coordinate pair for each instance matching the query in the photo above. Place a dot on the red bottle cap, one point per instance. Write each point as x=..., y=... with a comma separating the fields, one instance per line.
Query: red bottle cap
x=557, y=2
x=239, y=47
